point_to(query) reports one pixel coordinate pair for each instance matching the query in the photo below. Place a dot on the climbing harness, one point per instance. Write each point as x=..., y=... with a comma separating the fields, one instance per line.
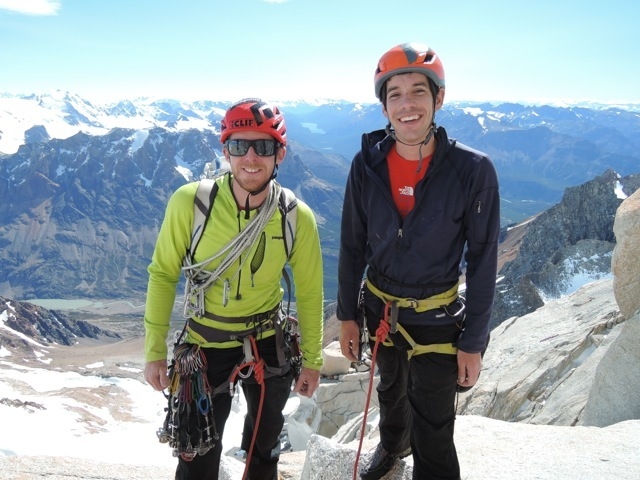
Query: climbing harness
x=389, y=325
x=262, y=325
x=189, y=426
x=419, y=305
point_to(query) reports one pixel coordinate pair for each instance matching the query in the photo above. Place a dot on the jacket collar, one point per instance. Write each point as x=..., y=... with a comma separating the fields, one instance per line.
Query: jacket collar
x=378, y=143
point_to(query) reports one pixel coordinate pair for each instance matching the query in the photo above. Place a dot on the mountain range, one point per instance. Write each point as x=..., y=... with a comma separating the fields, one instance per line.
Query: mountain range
x=85, y=185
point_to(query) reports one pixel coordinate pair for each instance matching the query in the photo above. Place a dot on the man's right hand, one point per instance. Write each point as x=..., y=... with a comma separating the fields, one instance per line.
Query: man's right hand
x=155, y=374
x=350, y=339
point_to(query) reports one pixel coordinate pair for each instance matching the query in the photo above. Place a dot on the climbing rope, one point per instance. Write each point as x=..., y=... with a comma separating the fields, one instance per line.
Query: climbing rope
x=256, y=366
x=381, y=335
x=199, y=279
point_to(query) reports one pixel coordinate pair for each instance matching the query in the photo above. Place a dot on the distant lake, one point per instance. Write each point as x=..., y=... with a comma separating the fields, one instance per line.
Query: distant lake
x=313, y=128
x=104, y=306
x=63, y=304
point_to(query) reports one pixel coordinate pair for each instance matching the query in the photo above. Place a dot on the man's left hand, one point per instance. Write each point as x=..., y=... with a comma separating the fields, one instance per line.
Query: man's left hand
x=469, y=365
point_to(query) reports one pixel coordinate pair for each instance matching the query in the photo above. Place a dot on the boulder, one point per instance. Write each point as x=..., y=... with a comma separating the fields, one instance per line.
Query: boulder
x=303, y=422
x=497, y=450
x=541, y=368
x=625, y=262
x=613, y=396
x=334, y=362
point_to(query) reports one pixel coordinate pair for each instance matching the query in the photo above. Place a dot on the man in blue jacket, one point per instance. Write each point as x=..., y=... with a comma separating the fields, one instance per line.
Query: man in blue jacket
x=415, y=203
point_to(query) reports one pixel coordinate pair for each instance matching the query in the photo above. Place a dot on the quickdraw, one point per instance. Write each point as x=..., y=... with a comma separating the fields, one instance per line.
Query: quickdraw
x=361, y=320
x=189, y=426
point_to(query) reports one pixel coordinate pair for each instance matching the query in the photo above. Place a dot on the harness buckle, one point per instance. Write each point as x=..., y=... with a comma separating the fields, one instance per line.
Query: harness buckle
x=412, y=303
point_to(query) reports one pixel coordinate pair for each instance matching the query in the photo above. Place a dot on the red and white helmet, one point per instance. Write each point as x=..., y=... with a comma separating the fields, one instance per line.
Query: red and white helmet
x=255, y=115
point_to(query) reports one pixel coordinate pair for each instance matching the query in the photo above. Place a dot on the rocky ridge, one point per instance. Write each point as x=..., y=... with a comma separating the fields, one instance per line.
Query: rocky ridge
x=573, y=239
x=27, y=323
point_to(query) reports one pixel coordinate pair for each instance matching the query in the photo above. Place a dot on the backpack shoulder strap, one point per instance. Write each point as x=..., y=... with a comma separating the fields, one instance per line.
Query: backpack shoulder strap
x=288, y=207
x=202, y=204
x=288, y=203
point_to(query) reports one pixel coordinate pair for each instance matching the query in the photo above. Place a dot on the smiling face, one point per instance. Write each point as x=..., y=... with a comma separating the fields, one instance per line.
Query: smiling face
x=252, y=171
x=409, y=106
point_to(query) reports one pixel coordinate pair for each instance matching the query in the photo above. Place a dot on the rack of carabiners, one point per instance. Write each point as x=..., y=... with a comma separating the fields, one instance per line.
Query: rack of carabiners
x=189, y=426
x=292, y=340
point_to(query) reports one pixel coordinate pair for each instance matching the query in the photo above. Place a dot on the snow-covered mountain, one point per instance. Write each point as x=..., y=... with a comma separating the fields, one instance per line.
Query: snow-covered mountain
x=64, y=114
x=539, y=150
x=86, y=187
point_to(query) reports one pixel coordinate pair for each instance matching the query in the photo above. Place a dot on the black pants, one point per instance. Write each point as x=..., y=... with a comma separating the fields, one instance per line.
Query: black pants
x=266, y=451
x=417, y=399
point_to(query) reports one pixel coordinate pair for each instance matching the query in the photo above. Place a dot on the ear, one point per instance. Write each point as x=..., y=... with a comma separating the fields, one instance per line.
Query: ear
x=439, y=99
x=225, y=152
x=280, y=154
x=384, y=111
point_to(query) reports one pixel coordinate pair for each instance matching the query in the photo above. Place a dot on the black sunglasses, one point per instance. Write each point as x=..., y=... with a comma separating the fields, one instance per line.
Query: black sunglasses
x=262, y=147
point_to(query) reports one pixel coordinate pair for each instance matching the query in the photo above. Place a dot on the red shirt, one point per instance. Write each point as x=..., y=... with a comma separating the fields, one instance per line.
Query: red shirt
x=404, y=176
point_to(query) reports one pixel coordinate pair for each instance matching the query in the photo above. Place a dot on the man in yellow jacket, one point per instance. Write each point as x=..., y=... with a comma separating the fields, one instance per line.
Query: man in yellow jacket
x=233, y=296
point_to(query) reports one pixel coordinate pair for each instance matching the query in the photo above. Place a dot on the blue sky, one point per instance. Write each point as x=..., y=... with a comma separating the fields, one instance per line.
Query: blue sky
x=500, y=50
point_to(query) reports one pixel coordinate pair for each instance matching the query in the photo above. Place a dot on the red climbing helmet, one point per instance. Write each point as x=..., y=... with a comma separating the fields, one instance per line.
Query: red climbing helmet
x=408, y=58
x=256, y=115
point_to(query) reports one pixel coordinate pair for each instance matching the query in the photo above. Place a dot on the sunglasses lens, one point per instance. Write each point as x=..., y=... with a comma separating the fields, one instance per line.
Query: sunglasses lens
x=264, y=148
x=236, y=148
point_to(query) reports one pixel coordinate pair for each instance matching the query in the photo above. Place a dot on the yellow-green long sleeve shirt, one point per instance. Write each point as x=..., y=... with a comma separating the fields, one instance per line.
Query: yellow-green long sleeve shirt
x=252, y=290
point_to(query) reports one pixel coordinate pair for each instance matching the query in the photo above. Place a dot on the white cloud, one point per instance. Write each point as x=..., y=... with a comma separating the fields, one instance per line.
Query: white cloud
x=32, y=7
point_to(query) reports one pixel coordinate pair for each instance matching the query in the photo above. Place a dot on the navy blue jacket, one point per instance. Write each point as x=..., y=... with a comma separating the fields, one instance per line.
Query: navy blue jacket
x=457, y=211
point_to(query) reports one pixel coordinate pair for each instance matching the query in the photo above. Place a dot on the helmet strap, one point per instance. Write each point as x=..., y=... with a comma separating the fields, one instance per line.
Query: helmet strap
x=390, y=131
x=426, y=141
x=274, y=174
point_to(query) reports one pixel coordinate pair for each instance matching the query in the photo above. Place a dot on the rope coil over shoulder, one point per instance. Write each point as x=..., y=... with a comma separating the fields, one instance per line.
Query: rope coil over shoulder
x=199, y=278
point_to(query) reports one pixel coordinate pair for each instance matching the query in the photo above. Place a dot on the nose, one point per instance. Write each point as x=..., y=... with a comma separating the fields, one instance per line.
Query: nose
x=407, y=99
